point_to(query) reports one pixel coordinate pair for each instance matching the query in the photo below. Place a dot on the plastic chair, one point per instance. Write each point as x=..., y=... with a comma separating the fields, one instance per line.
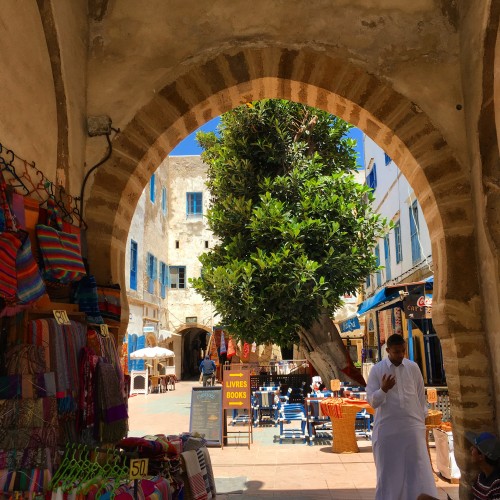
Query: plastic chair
x=289, y=413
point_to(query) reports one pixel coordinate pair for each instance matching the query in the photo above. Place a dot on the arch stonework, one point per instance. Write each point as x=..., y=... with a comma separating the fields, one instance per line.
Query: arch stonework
x=399, y=126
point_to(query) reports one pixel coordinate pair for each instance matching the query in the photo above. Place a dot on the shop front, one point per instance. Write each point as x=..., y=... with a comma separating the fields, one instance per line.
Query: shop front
x=404, y=309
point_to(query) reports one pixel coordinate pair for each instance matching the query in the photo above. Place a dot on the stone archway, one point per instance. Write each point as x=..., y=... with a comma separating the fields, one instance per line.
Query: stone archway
x=398, y=125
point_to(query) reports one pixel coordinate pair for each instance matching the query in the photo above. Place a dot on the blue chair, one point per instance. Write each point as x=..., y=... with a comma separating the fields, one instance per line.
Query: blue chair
x=363, y=423
x=318, y=425
x=265, y=408
x=288, y=413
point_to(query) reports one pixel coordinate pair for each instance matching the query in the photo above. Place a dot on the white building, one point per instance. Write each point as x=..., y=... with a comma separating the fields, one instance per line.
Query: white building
x=398, y=297
x=167, y=235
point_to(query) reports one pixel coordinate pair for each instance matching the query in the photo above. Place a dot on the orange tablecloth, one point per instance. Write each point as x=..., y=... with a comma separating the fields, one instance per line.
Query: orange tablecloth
x=342, y=413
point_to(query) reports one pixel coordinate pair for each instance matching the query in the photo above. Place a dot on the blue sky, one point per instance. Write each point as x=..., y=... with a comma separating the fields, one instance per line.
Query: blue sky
x=189, y=146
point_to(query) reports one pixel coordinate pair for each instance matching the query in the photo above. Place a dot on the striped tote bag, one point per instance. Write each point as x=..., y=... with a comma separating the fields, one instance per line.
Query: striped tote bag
x=62, y=258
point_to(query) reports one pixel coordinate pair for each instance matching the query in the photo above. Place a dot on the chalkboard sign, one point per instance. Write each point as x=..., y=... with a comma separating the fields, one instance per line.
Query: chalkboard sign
x=206, y=413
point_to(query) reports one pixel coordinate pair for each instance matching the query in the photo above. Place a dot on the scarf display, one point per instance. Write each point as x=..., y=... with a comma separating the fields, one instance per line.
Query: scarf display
x=111, y=408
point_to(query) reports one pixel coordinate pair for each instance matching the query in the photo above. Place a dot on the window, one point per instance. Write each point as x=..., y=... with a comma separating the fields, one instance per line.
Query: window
x=397, y=242
x=194, y=205
x=377, y=258
x=177, y=276
x=206, y=243
x=387, y=159
x=152, y=269
x=371, y=179
x=164, y=200
x=176, y=243
x=368, y=281
x=163, y=280
x=387, y=256
x=133, y=265
x=414, y=229
x=152, y=184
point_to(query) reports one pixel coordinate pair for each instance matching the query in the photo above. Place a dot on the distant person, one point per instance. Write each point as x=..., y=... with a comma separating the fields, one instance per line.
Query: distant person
x=207, y=369
x=396, y=390
x=485, y=451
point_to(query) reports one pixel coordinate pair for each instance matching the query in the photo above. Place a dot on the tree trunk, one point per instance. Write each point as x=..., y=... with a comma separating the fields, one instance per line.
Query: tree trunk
x=324, y=348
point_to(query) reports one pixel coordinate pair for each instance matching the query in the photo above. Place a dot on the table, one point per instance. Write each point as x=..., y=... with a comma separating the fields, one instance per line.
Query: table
x=342, y=413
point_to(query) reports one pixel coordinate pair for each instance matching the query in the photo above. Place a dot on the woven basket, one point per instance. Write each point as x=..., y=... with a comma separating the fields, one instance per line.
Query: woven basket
x=434, y=417
x=343, y=428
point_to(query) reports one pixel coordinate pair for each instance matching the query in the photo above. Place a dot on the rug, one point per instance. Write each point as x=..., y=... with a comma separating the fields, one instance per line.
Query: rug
x=227, y=485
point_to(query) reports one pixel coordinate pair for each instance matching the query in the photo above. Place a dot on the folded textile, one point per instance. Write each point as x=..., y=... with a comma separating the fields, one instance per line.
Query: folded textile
x=109, y=302
x=197, y=476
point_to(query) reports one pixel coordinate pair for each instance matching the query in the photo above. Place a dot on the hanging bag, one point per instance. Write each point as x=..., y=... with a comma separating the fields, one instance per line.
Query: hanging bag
x=9, y=246
x=61, y=253
x=30, y=285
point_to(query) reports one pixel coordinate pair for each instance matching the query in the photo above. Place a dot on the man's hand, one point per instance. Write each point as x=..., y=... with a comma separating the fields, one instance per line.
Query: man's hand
x=388, y=382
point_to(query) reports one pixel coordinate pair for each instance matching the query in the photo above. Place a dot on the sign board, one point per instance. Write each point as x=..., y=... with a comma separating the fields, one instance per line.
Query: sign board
x=349, y=325
x=138, y=468
x=61, y=317
x=236, y=393
x=418, y=304
x=206, y=413
x=432, y=396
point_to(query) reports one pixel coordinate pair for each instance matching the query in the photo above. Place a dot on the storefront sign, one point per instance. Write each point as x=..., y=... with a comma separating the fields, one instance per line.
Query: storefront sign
x=206, y=413
x=418, y=305
x=236, y=390
x=349, y=325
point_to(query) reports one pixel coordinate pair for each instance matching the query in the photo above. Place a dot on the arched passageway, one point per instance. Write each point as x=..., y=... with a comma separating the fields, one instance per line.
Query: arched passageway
x=399, y=126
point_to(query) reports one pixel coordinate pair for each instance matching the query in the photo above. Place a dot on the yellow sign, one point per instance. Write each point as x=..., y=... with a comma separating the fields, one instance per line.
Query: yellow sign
x=432, y=395
x=138, y=468
x=236, y=389
x=61, y=317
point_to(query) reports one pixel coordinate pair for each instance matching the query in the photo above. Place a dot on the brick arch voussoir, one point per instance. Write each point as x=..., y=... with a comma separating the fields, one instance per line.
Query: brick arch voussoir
x=209, y=89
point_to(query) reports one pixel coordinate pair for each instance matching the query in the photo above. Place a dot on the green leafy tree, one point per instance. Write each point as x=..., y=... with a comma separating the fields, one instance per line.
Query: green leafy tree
x=295, y=229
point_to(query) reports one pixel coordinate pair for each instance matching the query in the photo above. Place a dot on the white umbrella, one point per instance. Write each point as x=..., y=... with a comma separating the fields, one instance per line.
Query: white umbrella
x=152, y=353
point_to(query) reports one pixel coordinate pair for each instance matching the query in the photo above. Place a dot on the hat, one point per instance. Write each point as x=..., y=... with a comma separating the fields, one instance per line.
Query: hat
x=486, y=442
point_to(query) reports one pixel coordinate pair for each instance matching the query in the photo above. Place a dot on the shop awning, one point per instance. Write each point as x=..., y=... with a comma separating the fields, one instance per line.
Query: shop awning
x=384, y=295
x=390, y=293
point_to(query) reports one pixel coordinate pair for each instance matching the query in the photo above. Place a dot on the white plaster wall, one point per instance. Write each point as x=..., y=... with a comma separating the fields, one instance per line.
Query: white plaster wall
x=27, y=97
x=393, y=197
x=187, y=174
x=157, y=233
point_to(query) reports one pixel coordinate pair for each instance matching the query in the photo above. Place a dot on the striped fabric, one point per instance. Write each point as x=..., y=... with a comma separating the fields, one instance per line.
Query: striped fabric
x=30, y=285
x=61, y=255
x=9, y=245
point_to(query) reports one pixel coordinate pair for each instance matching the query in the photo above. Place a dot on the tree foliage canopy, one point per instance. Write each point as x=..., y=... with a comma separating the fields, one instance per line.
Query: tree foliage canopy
x=295, y=229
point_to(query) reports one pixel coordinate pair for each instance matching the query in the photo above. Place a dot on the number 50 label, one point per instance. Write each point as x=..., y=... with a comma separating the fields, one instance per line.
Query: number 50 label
x=138, y=468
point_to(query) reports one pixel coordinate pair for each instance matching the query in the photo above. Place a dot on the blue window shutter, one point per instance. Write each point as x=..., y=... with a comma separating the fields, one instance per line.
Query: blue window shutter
x=133, y=265
x=152, y=188
x=415, y=243
x=387, y=255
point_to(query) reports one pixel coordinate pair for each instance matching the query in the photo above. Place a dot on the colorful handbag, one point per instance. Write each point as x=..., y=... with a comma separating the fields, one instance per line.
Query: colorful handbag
x=30, y=285
x=62, y=258
x=9, y=246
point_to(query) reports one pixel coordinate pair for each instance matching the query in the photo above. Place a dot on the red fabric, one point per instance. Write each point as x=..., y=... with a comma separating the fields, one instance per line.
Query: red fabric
x=231, y=350
x=246, y=350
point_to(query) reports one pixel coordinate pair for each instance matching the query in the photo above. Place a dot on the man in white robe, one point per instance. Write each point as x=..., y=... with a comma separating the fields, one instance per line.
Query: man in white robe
x=396, y=390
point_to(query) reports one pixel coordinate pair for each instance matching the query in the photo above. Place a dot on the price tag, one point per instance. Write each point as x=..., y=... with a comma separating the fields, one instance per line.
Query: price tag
x=432, y=395
x=138, y=468
x=61, y=317
x=104, y=330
